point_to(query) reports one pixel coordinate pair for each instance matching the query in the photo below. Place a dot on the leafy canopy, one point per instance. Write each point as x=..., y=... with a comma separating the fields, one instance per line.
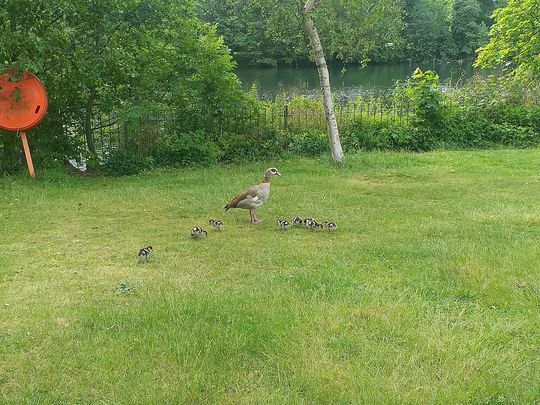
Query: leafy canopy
x=514, y=39
x=99, y=56
x=270, y=31
x=267, y=31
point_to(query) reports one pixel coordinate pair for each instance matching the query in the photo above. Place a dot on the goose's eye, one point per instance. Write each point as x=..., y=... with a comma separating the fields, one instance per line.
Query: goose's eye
x=273, y=170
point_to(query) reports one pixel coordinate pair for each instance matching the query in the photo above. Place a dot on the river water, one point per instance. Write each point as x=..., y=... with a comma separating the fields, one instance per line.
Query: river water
x=350, y=83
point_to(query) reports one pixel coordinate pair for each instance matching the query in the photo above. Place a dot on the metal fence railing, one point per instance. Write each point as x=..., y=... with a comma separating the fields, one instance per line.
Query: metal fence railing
x=111, y=132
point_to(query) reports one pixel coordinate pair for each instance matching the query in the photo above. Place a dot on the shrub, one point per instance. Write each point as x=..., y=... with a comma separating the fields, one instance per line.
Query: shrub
x=483, y=113
x=185, y=148
x=424, y=92
x=9, y=167
x=265, y=143
x=362, y=138
x=378, y=137
x=309, y=143
x=236, y=148
x=125, y=162
x=513, y=135
x=399, y=138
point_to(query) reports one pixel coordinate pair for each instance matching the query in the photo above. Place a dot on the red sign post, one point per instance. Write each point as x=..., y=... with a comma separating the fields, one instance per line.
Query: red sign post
x=23, y=103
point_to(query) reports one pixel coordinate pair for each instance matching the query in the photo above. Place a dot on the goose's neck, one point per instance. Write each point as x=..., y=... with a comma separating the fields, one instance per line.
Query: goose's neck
x=266, y=179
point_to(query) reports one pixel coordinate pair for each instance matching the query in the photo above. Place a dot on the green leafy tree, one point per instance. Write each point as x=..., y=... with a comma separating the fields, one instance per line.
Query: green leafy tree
x=115, y=55
x=427, y=30
x=467, y=29
x=350, y=30
x=244, y=26
x=270, y=31
x=514, y=40
x=265, y=32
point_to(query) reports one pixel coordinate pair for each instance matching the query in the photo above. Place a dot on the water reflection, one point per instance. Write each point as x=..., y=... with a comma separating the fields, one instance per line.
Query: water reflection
x=354, y=81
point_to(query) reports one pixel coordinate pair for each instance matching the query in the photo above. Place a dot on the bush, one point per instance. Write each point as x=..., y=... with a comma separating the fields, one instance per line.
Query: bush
x=266, y=143
x=309, y=144
x=9, y=167
x=513, y=135
x=236, y=148
x=424, y=92
x=125, y=162
x=185, y=149
x=373, y=138
x=362, y=138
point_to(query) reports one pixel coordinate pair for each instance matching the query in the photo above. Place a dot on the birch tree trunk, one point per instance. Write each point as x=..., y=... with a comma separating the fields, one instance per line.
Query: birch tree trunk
x=324, y=78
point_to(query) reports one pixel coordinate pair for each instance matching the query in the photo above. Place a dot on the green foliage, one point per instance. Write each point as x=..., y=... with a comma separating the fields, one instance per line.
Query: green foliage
x=125, y=162
x=380, y=138
x=114, y=56
x=237, y=148
x=427, y=31
x=10, y=153
x=92, y=162
x=423, y=89
x=185, y=149
x=244, y=25
x=467, y=30
x=486, y=112
x=248, y=147
x=512, y=135
x=309, y=143
x=514, y=42
x=492, y=111
x=9, y=167
x=267, y=32
x=270, y=32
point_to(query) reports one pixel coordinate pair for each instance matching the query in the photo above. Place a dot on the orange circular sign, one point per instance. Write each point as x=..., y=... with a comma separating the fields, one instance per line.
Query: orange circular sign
x=23, y=100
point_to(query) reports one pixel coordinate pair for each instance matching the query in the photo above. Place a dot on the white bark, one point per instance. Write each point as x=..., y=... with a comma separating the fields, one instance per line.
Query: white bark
x=324, y=78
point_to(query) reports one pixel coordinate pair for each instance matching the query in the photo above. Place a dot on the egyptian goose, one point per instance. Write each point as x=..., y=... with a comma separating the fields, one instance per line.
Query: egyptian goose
x=297, y=221
x=255, y=196
x=283, y=224
x=144, y=253
x=197, y=232
x=315, y=226
x=217, y=224
x=308, y=222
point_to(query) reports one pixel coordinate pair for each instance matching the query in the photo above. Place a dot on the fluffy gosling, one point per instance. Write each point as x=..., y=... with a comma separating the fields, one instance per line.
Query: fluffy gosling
x=144, y=253
x=217, y=224
x=283, y=224
x=331, y=226
x=297, y=221
x=197, y=232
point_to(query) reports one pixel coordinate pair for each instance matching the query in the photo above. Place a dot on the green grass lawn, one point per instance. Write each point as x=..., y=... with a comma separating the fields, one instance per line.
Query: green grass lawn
x=429, y=291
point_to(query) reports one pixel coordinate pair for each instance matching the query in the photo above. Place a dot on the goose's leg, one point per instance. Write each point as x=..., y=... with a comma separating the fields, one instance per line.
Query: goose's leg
x=251, y=216
x=255, y=220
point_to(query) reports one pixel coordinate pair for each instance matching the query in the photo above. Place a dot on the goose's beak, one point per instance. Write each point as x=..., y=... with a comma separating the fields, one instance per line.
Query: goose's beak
x=278, y=173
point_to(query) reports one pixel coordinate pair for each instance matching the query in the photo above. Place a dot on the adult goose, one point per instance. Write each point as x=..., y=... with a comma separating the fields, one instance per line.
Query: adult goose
x=255, y=196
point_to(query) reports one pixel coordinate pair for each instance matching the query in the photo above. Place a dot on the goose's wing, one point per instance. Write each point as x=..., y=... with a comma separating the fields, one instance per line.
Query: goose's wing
x=248, y=194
